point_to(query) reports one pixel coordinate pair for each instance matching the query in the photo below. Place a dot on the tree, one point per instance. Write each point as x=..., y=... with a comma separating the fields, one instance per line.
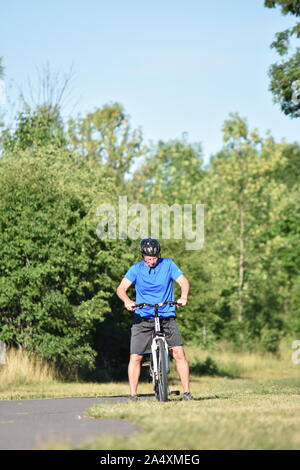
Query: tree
x=56, y=276
x=51, y=91
x=289, y=173
x=243, y=206
x=285, y=249
x=285, y=75
x=2, y=88
x=169, y=173
x=35, y=128
x=287, y=6
x=38, y=121
x=105, y=137
x=167, y=176
x=234, y=171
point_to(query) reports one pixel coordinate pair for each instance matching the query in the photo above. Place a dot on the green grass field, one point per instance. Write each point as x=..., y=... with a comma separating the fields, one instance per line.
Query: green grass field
x=242, y=401
x=225, y=415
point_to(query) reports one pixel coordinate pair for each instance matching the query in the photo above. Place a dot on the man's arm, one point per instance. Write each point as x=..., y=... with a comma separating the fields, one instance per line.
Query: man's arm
x=122, y=294
x=185, y=287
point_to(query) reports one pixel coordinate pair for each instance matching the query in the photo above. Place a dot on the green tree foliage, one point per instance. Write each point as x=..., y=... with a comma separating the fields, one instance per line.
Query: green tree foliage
x=286, y=6
x=58, y=279
x=243, y=208
x=169, y=176
x=35, y=128
x=1, y=77
x=105, y=137
x=285, y=75
x=169, y=172
x=295, y=306
x=56, y=275
x=285, y=249
x=289, y=173
x=240, y=285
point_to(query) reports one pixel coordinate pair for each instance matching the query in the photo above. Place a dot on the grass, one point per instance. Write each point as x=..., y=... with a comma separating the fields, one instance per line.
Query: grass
x=224, y=362
x=228, y=418
x=242, y=401
x=23, y=377
x=20, y=370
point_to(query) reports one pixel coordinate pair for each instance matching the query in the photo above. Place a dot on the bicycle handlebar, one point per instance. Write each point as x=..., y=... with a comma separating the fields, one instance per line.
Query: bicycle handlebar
x=156, y=305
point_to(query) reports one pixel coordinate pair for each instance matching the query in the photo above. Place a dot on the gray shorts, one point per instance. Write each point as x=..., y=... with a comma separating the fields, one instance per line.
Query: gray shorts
x=142, y=331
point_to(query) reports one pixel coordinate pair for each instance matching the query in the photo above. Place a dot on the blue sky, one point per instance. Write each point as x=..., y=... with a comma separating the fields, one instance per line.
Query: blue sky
x=176, y=66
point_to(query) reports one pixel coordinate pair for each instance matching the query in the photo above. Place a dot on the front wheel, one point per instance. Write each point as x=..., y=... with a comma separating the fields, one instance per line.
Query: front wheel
x=161, y=386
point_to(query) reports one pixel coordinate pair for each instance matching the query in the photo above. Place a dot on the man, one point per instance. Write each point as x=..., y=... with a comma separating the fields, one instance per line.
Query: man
x=153, y=278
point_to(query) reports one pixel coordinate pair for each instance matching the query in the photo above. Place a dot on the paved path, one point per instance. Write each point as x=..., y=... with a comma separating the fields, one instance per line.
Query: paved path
x=31, y=424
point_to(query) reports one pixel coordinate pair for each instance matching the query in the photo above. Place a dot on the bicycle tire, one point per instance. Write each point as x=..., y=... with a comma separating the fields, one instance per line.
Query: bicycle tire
x=162, y=380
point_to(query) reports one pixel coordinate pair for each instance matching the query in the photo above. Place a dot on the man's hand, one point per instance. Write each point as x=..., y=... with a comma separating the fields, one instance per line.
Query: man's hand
x=130, y=305
x=182, y=301
x=121, y=293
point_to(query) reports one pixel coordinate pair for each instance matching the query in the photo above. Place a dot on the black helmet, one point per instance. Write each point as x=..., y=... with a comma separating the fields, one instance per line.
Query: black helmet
x=150, y=247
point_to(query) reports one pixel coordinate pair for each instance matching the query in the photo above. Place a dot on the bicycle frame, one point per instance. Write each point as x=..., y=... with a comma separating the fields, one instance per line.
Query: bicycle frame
x=158, y=336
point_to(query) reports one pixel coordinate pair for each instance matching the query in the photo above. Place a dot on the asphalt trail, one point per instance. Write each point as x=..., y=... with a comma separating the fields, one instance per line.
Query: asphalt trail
x=32, y=424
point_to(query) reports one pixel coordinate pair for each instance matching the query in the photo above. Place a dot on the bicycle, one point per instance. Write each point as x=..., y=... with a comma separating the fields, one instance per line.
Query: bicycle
x=159, y=357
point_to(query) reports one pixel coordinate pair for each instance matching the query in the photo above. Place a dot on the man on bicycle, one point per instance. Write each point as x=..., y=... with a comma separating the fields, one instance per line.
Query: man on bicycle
x=153, y=278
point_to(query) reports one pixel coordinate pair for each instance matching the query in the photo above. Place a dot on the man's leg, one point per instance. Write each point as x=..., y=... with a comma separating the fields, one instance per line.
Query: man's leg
x=134, y=370
x=182, y=367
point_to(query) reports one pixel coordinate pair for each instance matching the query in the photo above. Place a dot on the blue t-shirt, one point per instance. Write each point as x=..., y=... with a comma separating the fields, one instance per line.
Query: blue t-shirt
x=154, y=285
